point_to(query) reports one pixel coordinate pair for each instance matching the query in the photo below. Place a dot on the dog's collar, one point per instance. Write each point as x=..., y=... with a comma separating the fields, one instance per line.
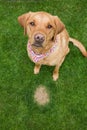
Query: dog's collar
x=37, y=57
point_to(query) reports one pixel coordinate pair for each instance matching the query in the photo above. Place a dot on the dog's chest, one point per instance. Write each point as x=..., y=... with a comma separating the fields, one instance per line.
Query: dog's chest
x=46, y=59
x=50, y=58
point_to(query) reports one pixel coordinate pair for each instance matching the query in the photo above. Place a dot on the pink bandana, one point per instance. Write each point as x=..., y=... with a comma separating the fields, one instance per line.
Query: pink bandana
x=37, y=57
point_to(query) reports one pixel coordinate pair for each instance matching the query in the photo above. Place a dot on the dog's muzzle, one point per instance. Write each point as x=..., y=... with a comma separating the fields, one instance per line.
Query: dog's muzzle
x=38, y=40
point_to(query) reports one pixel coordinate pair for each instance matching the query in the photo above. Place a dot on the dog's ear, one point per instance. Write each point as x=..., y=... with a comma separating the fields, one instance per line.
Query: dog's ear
x=23, y=19
x=59, y=26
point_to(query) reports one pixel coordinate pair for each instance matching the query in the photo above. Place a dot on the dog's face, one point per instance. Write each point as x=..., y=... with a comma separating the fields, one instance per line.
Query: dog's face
x=41, y=28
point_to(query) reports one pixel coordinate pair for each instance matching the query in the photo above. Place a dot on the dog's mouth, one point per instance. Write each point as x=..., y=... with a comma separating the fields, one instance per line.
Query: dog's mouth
x=40, y=44
x=37, y=44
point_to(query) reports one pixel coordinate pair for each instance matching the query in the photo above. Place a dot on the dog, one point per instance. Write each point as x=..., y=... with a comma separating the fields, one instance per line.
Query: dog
x=48, y=40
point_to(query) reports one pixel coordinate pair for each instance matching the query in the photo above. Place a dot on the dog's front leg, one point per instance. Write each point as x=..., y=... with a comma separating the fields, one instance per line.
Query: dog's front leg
x=56, y=70
x=37, y=68
x=56, y=73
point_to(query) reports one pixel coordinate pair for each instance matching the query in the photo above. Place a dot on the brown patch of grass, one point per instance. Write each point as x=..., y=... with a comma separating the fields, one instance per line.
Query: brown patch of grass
x=41, y=96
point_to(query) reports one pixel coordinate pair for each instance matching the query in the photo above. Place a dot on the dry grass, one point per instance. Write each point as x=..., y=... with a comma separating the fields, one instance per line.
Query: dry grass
x=41, y=96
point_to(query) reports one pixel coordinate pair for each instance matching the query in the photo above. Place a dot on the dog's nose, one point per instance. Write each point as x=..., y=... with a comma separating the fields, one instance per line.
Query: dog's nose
x=39, y=38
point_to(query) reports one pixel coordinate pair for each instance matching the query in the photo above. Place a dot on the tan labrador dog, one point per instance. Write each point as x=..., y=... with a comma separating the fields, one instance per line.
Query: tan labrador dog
x=48, y=42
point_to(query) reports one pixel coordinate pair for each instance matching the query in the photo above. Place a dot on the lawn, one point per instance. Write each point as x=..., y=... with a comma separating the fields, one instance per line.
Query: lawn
x=67, y=108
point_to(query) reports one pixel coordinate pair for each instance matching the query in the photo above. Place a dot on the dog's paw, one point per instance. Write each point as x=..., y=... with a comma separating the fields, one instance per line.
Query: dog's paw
x=36, y=69
x=55, y=76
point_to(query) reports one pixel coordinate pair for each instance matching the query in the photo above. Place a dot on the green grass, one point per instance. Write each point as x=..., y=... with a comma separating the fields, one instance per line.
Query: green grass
x=67, y=109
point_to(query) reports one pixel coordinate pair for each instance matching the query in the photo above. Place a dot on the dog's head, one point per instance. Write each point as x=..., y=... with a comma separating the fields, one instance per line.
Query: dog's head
x=41, y=27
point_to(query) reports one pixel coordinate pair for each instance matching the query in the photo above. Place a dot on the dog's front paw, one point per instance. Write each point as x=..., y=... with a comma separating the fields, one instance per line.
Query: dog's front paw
x=55, y=76
x=36, y=69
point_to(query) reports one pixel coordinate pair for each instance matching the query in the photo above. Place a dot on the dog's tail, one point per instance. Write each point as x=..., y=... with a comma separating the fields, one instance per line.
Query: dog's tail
x=79, y=45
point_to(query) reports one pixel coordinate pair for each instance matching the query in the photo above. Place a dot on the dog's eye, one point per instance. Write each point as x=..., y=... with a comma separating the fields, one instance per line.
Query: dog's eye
x=49, y=26
x=32, y=23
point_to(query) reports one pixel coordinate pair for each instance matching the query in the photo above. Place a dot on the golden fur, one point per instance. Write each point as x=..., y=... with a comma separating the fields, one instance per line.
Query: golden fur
x=51, y=28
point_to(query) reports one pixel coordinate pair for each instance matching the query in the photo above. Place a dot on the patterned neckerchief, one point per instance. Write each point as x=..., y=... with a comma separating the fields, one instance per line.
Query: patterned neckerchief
x=37, y=57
